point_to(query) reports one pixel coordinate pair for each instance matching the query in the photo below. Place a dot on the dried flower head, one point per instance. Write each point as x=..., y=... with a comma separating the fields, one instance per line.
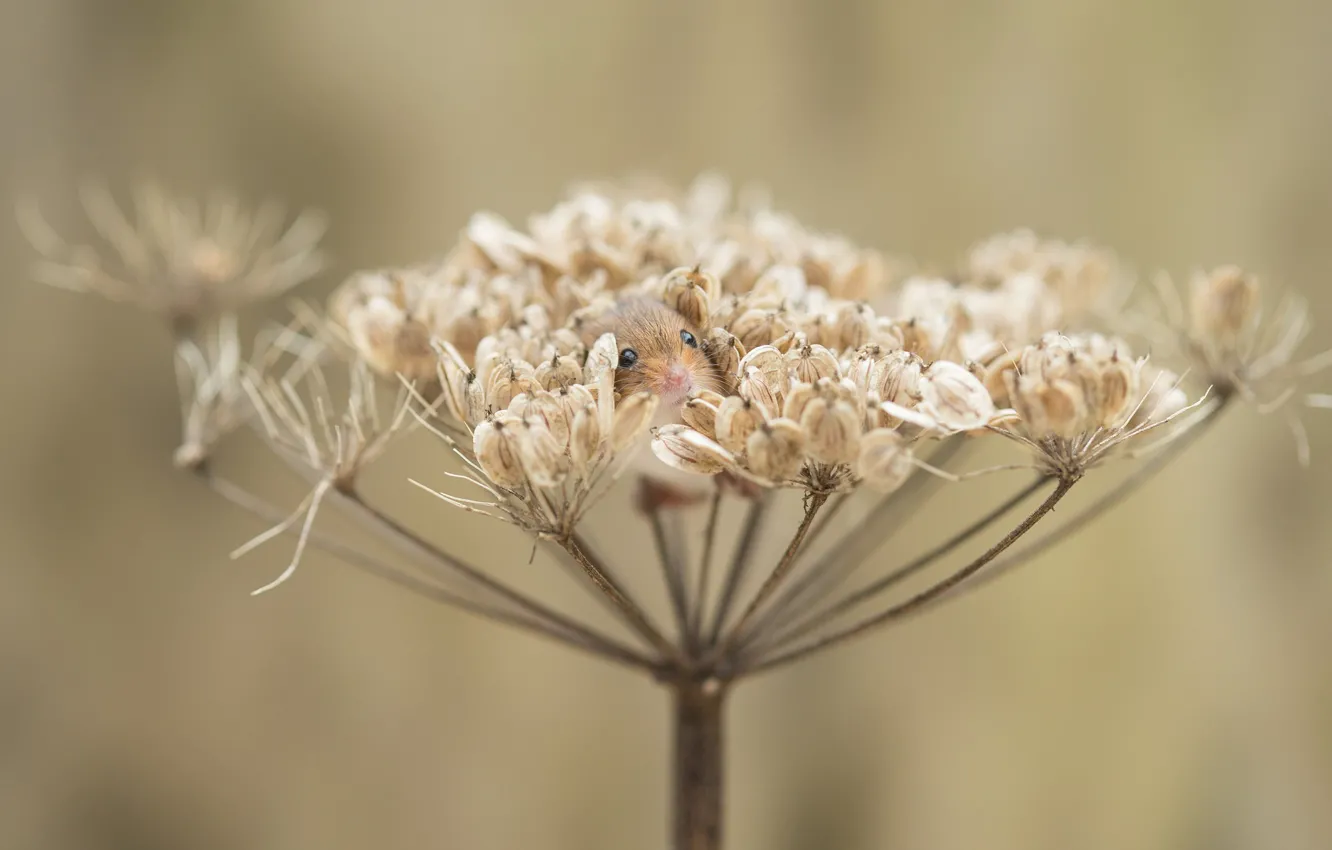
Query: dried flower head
x=179, y=260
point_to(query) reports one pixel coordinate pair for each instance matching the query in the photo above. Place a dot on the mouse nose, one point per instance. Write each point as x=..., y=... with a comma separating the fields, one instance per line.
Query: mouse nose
x=677, y=381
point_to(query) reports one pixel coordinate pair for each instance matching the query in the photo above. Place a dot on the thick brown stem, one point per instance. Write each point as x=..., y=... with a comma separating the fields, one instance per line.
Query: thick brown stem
x=697, y=815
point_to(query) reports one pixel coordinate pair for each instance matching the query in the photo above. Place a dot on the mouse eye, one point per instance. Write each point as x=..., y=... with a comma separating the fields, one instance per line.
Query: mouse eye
x=688, y=339
x=628, y=357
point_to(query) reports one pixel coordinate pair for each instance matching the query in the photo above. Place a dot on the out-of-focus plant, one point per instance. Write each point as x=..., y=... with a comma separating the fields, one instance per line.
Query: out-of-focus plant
x=705, y=354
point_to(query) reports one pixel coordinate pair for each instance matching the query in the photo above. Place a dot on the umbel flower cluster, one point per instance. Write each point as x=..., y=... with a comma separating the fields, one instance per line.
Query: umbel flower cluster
x=708, y=350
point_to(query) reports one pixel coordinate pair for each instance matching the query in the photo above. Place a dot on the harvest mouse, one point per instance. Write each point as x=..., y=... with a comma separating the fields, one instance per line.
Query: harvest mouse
x=662, y=353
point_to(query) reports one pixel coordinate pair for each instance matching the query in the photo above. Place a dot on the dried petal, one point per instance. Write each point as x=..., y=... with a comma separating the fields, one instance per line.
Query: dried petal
x=955, y=398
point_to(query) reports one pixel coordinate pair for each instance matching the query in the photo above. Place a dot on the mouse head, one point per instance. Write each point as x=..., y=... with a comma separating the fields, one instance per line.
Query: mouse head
x=659, y=352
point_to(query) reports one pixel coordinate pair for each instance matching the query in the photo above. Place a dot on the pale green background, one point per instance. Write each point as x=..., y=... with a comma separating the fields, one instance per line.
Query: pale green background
x=1163, y=683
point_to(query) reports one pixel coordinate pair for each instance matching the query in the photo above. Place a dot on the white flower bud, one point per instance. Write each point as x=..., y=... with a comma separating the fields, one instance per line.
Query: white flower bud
x=683, y=448
x=885, y=461
x=776, y=450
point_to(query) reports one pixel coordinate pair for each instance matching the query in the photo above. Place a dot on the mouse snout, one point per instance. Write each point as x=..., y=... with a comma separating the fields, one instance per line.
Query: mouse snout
x=677, y=381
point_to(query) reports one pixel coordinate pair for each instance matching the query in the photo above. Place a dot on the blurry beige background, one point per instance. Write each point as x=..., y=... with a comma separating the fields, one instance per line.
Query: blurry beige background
x=1165, y=682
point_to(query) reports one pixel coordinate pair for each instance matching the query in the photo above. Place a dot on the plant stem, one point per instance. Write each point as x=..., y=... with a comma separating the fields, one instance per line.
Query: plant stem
x=699, y=751
x=739, y=563
x=920, y=600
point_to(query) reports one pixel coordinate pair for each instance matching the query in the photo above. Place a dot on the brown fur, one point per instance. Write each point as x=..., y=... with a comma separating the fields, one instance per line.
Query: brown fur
x=653, y=330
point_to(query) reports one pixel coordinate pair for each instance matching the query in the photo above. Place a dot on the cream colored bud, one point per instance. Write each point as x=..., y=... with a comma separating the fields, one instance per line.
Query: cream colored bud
x=601, y=359
x=496, y=445
x=683, y=448
x=701, y=415
x=584, y=439
x=725, y=351
x=507, y=379
x=897, y=378
x=1224, y=304
x=798, y=399
x=776, y=450
x=885, y=461
x=758, y=327
x=690, y=293
x=559, y=370
x=809, y=363
x=833, y=431
x=736, y=420
x=542, y=454
x=852, y=325
x=545, y=408
x=632, y=416
x=954, y=398
x=768, y=365
x=755, y=390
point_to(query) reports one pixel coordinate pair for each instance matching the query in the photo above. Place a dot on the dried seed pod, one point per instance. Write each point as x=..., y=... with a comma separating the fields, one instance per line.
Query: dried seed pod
x=852, y=325
x=1223, y=305
x=775, y=450
x=833, y=431
x=725, y=351
x=691, y=292
x=954, y=397
x=897, y=378
x=632, y=416
x=885, y=461
x=542, y=454
x=584, y=440
x=755, y=390
x=496, y=446
x=683, y=448
x=809, y=363
x=758, y=327
x=736, y=420
x=507, y=379
x=545, y=408
x=601, y=359
x=701, y=415
x=798, y=399
x=559, y=370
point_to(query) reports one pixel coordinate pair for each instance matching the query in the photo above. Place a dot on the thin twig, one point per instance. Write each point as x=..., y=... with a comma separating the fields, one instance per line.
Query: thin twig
x=698, y=610
x=758, y=508
x=1106, y=502
x=672, y=570
x=633, y=615
x=607, y=648
x=851, y=600
x=778, y=574
x=920, y=600
x=872, y=531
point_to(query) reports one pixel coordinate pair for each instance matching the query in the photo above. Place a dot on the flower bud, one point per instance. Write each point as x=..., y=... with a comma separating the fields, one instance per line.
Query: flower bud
x=683, y=448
